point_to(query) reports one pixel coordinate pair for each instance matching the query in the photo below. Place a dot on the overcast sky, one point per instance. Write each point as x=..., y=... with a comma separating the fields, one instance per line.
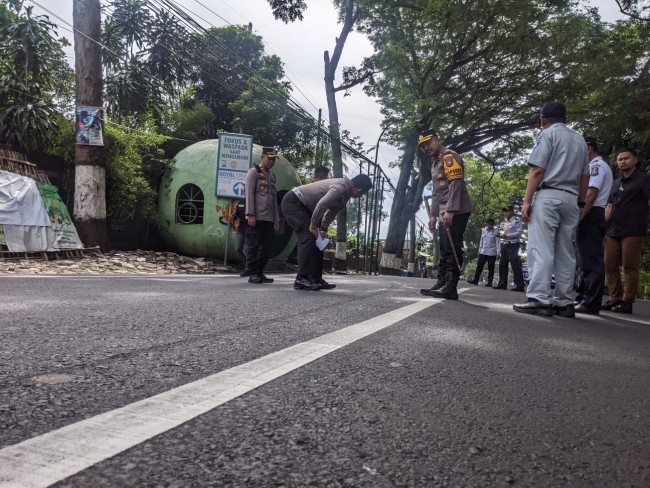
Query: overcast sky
x=300, y=45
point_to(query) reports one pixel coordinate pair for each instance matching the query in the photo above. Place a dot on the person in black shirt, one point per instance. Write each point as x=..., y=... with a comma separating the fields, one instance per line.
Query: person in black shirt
x=627, y=225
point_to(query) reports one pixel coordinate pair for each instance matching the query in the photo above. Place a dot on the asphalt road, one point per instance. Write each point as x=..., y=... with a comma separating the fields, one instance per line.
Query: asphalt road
x=459, y=393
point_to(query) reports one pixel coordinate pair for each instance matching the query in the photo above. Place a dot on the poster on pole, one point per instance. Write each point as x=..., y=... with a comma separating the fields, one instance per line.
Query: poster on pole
x=234, y=159
x=88, y=126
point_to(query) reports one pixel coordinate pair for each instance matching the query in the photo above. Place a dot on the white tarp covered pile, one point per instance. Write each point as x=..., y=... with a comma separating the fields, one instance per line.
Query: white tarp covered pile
x=24, y=217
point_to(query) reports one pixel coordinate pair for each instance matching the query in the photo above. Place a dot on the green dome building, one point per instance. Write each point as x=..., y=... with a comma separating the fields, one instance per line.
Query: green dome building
x=193, y=221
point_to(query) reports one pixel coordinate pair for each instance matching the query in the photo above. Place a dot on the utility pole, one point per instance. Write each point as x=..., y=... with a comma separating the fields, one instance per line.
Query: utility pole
x=90, y=170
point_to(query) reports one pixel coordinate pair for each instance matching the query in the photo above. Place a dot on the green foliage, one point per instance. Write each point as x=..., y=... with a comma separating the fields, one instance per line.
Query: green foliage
x=134, y=166
x=133, y=161
x=489, y=191
x=33, y=76
x=190, y=122
x=614, y=103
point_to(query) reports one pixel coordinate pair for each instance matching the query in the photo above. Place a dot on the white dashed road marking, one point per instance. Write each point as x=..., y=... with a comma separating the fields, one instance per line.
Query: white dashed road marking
x=51, y=457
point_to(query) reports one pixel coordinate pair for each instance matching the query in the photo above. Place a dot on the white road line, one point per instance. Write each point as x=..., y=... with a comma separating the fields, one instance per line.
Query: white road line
x=51, y=457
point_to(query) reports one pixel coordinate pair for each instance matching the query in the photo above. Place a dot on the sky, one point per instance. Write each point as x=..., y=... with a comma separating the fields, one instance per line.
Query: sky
x=301, y=45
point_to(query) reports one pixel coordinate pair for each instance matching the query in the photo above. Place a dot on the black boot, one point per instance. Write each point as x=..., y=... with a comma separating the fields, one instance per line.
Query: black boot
x=448, y=291
x=439, y=284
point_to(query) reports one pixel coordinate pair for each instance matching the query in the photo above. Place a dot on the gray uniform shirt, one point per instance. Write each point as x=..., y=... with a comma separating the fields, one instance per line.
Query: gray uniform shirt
x=449, y=191
x=562, y=153
x=261, y=195
x=325, y=199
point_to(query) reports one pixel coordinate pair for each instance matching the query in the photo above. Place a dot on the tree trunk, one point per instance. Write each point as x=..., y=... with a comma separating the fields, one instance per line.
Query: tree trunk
x=340, y=259
x=411, y=258
x=90, y=171
x=391, y=257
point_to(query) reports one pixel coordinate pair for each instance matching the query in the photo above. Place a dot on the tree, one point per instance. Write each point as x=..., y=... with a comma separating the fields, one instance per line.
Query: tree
x=637, y=9
x=146, y=61
x=34, y=77
x=463, y=67
x=615, y=95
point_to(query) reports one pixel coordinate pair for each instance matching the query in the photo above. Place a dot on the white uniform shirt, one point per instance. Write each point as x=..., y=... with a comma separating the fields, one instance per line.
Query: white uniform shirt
x=514, y=228
x=601, y=178
x=489, y=245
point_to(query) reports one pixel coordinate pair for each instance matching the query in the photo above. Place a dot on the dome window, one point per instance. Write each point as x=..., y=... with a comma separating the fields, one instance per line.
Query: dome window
x=189, y=205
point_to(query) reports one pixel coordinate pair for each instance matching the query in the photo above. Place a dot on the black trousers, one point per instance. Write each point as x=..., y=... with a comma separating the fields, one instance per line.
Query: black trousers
x=510, y=254
x=310, y=259
x=591, y=234
x=447, y=261
x=482, y=259
x=241, y=242
x=258, y=242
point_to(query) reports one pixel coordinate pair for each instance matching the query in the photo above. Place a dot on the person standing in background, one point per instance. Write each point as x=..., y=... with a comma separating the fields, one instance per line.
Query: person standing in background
x=591, y=233
x=627, y=226
x=488, y=250
x=511, y=236
x=262, y=215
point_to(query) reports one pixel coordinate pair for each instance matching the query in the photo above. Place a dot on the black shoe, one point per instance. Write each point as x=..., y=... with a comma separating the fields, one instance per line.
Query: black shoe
x=488, y=285
x=580, y=308
x=255, y=279
x=610, y=304
x=304, y=283
x=534, y=307
x=500, y=287
x=566, y=311
x=623, y=307
x=518, y=288
x=245, y=273
x=472, y=282
x=324, y=285
x=447, y=293
x=265, y=279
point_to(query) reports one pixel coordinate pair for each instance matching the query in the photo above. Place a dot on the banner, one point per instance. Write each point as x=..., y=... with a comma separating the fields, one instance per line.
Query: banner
x=234, y=159
x=65, y=233
x=88, y=125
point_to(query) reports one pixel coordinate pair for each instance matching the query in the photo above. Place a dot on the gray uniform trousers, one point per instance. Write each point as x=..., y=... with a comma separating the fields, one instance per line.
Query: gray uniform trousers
x=552, y=225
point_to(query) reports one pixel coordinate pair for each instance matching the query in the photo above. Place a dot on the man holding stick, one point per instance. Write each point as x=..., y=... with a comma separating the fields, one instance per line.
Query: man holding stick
x=451, y=204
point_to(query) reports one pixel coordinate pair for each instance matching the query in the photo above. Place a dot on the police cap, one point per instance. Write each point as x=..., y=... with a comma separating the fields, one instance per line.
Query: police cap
x=426, y=135
x=270, y=152
x=553, y=110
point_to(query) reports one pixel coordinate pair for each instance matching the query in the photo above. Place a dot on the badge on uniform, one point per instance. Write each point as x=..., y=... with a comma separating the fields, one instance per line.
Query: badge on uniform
x=594, y=170
x=537, y=141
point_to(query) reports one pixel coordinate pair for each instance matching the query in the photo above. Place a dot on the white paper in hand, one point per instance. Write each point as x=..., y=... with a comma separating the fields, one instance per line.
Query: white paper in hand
x=321, y=242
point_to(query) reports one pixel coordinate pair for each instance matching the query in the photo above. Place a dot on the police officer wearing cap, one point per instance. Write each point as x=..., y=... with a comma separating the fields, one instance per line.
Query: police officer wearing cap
x=262, y=216
x=309, y=210
x=451, y=204
x=488, y=249
x=591, y=233
x=556, y=188
x=511, y=236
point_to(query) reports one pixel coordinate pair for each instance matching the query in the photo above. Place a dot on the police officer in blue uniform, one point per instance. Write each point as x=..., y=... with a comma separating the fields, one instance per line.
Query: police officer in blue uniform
x=511, y=236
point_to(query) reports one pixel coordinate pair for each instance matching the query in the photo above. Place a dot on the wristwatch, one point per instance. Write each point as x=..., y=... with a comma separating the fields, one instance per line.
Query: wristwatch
x=582, y=204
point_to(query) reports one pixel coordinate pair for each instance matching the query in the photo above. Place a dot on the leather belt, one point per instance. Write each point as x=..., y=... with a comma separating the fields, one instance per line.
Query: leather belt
x=544, y=186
